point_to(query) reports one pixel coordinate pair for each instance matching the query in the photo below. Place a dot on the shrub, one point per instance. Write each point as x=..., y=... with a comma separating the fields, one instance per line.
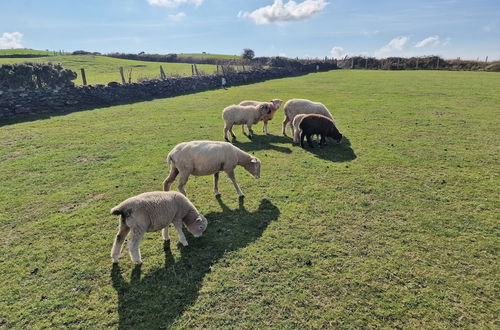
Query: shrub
x=34, y=75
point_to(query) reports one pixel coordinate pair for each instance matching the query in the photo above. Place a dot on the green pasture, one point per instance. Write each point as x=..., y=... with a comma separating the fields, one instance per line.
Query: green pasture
x=102, y=69
x=396, y=227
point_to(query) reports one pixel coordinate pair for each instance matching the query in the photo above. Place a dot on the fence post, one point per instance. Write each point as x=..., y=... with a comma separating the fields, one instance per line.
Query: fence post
x=192, y=69
x=121, y=74
x=486, y=61
x=352, y=63
x=416, y=67
x=366, y=63
x=437, y=64
x=162, y=73
x=84, y=79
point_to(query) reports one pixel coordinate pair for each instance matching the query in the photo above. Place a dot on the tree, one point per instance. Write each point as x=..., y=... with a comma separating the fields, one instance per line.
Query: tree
x=248, y=54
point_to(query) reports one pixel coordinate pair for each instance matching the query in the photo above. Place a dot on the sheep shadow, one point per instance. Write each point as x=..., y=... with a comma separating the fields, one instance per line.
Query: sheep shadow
x=338, y=153
x=263, y=142
x=160, y=297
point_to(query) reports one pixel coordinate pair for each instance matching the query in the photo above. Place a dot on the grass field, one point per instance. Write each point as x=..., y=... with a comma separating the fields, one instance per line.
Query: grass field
x=395, y=227
x=102, y=69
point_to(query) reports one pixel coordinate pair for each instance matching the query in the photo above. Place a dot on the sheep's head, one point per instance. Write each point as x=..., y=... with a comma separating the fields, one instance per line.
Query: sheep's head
x=253, y=167
x=276, y=103
x=335, y=134
x=198, y=226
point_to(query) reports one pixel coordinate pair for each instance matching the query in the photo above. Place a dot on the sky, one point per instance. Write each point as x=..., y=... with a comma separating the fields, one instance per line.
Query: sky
x=302, y=28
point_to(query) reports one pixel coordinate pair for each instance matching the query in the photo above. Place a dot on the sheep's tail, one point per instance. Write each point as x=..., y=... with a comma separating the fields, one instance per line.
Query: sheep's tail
x=116, y=210
x=170, y=160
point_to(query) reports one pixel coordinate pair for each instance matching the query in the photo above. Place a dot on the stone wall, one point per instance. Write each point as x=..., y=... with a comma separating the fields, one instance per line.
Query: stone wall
x=36, y=102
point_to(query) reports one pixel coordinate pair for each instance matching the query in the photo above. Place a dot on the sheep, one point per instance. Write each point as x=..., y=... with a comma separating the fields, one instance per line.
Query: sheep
x=295, y=124
x=294, y=107
x=206, y=158
x=244, y=115
x=152, y=211
x=318, y=124
x=276, y=104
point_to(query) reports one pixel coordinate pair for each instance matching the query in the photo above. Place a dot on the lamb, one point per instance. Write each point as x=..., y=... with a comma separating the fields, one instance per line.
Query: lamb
x=318, y=124
x=244, y=115
x=294, y=107
x=276, y=104
x=153, y=211
x=296, y=129
x=206, y=158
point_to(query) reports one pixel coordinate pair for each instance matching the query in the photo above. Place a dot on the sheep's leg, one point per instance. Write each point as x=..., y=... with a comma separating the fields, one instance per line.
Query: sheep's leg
x=231, y=131
x=225, y=132
x=171, y=178
x=216, y=184
x=322, y=140
x=231, y=177
x=243, y=129
x=164, y=233
x=182, y=182
x=302, y=135
x=250, y=131
x=135, y=253
x=309, y=140
x=119, y=239
x=264, y=128
x=178, y=227
x=285, y=121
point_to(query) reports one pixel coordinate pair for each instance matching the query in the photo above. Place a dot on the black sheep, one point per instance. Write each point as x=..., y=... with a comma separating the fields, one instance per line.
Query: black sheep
x=318, y=124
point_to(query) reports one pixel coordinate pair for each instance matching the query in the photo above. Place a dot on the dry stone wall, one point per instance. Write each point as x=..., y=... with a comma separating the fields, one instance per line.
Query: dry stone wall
x=45, y=101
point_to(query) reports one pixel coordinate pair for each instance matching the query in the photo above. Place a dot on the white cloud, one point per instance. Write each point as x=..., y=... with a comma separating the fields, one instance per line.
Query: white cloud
x=177, y=17
x=337, y=52
x=174, y=3
x=290, y=11
x=428, y=41
x=11, y=40
x=395, y=45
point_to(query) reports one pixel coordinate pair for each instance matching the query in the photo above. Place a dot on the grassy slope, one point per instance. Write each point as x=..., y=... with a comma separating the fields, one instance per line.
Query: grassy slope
x=102, y=69
x=397, y=226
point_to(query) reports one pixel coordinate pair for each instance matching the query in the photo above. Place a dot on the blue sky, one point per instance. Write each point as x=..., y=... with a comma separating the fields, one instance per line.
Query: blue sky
x=301, y=28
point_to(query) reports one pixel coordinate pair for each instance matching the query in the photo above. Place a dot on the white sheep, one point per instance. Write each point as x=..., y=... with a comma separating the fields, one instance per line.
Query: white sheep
x=244, y=115
x=153, y=211
x=206, y=158
x=294, y=107
x=276, y=104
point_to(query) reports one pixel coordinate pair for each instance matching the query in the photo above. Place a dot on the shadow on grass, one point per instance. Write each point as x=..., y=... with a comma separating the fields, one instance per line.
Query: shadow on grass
x=341, y=152
x=160, y=297
x=262, y=142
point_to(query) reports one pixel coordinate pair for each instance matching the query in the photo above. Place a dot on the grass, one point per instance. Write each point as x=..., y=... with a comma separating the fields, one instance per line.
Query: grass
x=395, y=227
x=102, y=69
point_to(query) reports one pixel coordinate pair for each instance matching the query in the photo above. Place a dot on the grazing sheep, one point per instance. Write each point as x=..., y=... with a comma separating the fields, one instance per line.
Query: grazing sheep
x=206, y=158
x=244, y=115
x=294, y=107
x=153, y=211
x=318, y=124
x=296, y=129
x=276, y=104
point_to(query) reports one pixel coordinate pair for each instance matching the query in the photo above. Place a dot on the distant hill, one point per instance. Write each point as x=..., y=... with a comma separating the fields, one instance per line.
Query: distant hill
x=25, y=51
x=206, y=55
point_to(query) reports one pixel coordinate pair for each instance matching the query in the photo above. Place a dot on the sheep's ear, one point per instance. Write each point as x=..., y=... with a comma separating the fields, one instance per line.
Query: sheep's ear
x=254, y=160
